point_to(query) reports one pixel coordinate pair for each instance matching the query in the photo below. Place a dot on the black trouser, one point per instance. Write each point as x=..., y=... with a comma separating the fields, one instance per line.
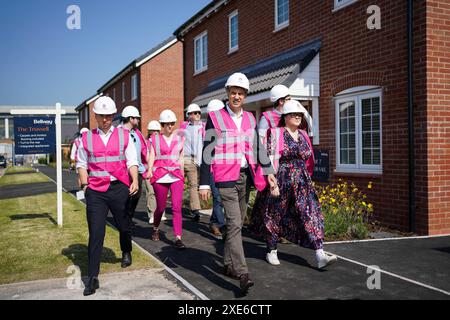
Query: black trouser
x=98, y=204
x=134, y=199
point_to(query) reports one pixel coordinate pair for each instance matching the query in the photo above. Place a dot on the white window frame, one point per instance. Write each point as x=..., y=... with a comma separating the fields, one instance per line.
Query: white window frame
x=134, y=87
x=123, y=91
x=339, y=4
x=204, y=60
x=230, y=17
x=358, y=167
x=283, y=24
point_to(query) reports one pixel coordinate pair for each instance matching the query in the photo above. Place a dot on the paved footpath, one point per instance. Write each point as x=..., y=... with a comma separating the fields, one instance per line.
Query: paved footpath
x=410, y=268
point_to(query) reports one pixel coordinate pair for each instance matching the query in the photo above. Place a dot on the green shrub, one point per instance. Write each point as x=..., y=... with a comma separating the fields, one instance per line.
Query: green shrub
x=346, y=211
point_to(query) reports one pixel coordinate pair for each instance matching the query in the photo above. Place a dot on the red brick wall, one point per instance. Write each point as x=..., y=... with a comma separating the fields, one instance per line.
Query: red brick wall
x=351, y=55
x=162, y=85
x=438, y=114
x=118, y=86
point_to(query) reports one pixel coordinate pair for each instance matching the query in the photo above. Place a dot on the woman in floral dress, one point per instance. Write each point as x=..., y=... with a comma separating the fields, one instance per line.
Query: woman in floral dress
x=290, y=209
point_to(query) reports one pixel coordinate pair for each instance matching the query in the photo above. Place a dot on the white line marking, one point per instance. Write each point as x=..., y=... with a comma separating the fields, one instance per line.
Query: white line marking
x=173, y=273
x=388, y=239
x=394, y=275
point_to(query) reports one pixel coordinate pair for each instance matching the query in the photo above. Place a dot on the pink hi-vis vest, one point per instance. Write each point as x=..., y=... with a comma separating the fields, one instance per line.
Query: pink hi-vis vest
x=144, y=150
x=184, y=125
x=232, y=145
x=105, y=161
x=277, y=135
x=167, y=158
x=273, y=118
x=76, y=142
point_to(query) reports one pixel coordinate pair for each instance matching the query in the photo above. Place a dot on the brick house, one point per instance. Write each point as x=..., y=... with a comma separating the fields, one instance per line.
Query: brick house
x=348, y=62
x=152, y=83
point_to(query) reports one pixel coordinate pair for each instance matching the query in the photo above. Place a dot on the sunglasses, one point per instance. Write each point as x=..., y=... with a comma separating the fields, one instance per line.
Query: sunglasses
x=196, y=113
x=169, y=124
x=296, y=115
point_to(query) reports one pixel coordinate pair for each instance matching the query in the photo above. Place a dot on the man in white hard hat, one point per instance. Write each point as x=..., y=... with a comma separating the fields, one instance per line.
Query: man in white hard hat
x=194, y=131
x=270, y=119
x=111, y=158
x=233, y=160
x=130, y=121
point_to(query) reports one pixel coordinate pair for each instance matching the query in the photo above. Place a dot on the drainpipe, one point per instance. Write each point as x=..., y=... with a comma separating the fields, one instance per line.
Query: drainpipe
x=412, y=178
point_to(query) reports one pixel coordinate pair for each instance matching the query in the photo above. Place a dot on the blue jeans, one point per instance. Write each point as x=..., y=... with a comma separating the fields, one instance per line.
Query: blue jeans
x=217, y=217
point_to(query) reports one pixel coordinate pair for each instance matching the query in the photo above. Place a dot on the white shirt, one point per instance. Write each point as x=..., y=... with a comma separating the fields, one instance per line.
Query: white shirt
x=237, y=119
x=130, y=152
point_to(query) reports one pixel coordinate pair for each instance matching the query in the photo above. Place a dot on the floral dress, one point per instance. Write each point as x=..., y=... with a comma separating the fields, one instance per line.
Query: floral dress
x=296, y=214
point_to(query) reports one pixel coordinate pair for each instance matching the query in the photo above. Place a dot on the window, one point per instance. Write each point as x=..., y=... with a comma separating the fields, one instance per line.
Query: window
x=233, y=31
x=134, y=87
x=358, y=133
x=86, y=114
x=201, y=52
x=281, y=14
x=123, y=91
x=2, y=129
x=338, y=4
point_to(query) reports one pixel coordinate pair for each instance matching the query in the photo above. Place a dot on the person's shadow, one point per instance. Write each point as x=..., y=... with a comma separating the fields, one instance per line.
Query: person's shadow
x=78, y=254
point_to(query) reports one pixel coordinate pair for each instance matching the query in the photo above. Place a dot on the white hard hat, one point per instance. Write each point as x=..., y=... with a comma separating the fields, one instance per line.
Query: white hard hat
x=130, y=111
x=105, y=105
x=167, y=116
x=293, y=106
x=238, y=80
x=215, y=105
x=154, y=125
x=83, y=130
x=193, y=107
x=278, y=92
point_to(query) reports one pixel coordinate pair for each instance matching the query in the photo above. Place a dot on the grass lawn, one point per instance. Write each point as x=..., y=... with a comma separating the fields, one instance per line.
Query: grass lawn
x=20, y=169
x=33, y=247
x=23, y=178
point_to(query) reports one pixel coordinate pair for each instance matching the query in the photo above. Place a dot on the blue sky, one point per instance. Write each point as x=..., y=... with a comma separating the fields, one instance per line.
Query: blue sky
x=43, y=62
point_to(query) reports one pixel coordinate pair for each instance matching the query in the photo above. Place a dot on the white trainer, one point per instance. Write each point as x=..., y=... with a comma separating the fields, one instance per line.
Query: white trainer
x=150, y=220
x=325, y=259
x=163, y=218
x=272, y=258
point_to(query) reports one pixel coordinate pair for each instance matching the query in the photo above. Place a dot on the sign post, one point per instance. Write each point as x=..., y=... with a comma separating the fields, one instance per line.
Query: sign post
x=32, y=145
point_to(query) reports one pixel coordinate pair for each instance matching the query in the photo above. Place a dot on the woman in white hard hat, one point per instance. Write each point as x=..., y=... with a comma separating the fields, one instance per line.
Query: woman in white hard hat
x=194, y=132
x=166, y=163
x=153, y=128
x=290, y=208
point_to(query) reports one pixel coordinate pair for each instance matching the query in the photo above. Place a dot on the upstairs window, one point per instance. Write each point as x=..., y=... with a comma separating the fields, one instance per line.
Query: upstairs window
x=281, y=14
x=342, y=3
x=233, y=31
x=201, y=52
x=134, y=87
x=123, y=91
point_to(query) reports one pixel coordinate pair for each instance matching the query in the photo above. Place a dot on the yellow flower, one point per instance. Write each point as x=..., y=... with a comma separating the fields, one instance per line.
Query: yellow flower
x=370, y=185
x=333, y=200
x=370, y=206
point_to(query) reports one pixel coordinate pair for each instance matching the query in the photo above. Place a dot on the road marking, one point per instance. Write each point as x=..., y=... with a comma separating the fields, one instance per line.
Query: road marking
x=393, y=275
x=388, y=239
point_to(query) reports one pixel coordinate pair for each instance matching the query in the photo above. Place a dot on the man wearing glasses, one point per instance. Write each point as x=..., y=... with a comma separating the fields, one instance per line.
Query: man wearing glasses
x=194, y=132
x=130, y=121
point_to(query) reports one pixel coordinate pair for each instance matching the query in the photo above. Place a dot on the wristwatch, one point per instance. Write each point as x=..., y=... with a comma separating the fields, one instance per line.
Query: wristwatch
x=84, y=185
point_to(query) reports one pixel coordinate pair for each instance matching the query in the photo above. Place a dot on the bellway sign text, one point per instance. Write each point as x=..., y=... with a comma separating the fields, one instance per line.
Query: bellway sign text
x=34, y=135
